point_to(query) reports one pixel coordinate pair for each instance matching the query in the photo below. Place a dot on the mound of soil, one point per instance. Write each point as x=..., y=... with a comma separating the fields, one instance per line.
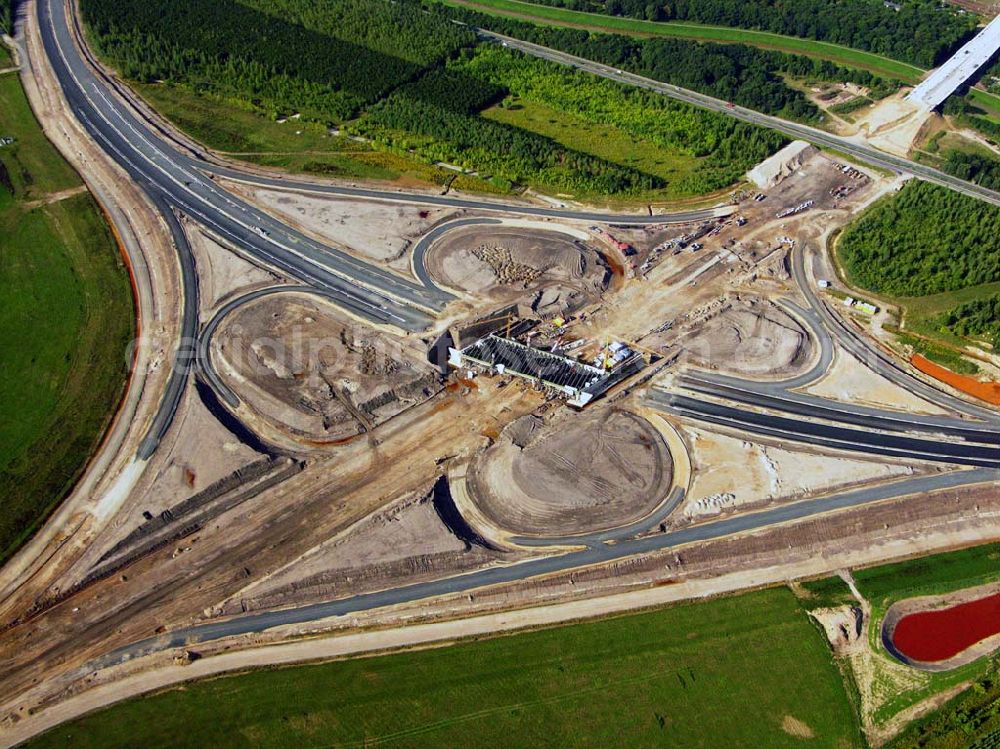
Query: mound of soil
x=298, y=363
x=751, y=338
x=579, y=474
x=552, y=271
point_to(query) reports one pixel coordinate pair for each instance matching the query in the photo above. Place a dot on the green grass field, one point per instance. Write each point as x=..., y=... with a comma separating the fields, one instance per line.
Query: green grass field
x=835, y=53
x=66, y=318
x=742, y=671
x=938, y=573
x=989, y=102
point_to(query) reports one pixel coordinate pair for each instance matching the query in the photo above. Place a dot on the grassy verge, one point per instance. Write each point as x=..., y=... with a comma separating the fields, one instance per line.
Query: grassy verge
x=929, y=575
x=598, y=22
x=749, y=670
x=825, y=593
x=969, y=720
x=943, y=355
x=989, y=102
x=66, y=318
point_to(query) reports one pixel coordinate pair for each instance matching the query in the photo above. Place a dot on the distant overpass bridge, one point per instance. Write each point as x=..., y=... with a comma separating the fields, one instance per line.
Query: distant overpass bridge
x=960, y=67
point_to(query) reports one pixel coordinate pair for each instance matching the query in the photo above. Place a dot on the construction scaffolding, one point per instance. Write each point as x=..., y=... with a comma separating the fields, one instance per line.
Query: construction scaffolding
x=578, y=382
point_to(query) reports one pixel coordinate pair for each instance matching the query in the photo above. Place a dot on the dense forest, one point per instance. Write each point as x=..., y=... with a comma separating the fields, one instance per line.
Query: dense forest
x=234, y=50
x=976, y=318
x=974, y=167
x=735, y=72
x=920, y=32
x=925, y=240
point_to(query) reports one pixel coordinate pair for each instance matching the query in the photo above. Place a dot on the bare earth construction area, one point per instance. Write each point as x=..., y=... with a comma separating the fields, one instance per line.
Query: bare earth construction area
x=572, y=476
x=300, y=364
x=393, y=413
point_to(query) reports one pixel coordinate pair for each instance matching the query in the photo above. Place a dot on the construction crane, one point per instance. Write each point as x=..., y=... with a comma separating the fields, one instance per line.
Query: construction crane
x=636, y=347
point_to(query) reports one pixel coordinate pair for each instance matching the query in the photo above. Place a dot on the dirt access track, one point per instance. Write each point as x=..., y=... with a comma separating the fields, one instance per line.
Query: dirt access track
x=576, y=474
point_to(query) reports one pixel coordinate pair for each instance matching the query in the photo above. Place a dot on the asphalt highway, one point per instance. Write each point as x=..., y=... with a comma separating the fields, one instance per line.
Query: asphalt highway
x=856, y=148
x=159, y=169
x=181, y=184
x=876, y=359
x=826, y=435
x=810, y=406
x=186, y=354
x=596, y=554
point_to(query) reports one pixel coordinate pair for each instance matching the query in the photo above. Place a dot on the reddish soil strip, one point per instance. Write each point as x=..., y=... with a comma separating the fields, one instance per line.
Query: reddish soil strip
x=931, y=636
x=986, y=391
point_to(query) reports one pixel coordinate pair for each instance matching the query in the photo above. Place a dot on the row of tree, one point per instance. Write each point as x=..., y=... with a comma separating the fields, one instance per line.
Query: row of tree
x=924, y=240
x=921, y=32
x=746, y=75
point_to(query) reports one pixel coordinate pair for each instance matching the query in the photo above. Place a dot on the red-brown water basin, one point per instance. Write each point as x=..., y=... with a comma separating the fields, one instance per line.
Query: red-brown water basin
x=941, y=634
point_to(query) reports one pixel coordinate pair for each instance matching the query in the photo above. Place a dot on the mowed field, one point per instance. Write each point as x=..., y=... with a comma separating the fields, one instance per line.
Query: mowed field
x=66, y=318
x=835, y=53
x=743, y=671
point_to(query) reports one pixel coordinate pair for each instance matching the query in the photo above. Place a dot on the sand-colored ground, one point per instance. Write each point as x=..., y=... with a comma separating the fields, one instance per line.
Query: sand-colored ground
x=552, y=271
x=195, y=453
x=750, y=337
x=577, y=474
x=731, y=473
x=849, y=381
x=382, y=232
x=894, y=124
x=299, y=363
x=222, y=273
x=408, y=531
